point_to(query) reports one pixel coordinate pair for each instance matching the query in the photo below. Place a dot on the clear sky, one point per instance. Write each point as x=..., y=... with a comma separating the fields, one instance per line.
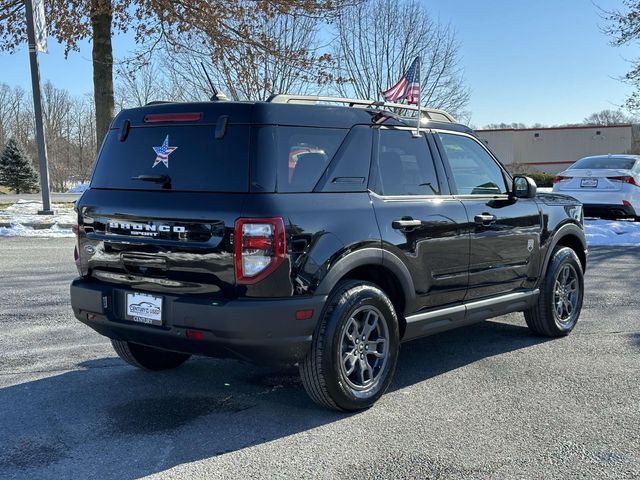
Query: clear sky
x=525, y=61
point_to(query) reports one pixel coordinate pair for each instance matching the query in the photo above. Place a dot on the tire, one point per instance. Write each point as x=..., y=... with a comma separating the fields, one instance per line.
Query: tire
x=558, y=307
x=342, y=372
x=148, y=358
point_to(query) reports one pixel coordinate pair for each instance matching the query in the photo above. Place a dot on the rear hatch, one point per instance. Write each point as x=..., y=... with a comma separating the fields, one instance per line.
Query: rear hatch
x=168, y=185
x=587, y=180
x=601, y=173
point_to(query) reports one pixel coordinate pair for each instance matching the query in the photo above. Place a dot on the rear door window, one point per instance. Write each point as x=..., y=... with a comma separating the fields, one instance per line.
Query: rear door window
x=300, y=155
x=190, y=156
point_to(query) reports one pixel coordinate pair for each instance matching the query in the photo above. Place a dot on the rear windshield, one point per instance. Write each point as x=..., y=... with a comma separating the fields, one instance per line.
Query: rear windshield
x=604, y=163
x=189, y=155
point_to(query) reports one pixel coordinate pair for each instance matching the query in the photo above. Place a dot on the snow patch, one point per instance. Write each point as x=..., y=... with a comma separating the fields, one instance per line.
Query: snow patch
x=19, y=230
x=22, y=220
x=611, y=232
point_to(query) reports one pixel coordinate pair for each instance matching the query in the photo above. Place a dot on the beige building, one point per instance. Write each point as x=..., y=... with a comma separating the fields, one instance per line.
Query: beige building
x=553, y=149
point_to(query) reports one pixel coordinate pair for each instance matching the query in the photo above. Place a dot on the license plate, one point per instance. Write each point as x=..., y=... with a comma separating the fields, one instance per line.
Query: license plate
x=589, y=182
x=144, y=308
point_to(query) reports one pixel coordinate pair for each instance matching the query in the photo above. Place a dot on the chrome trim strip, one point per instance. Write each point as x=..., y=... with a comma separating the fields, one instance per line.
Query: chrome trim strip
x=510, y=297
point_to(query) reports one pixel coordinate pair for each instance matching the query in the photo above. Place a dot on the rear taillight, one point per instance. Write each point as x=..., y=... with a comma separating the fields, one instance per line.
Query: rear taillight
x=624, y=179
x=560, y=178
x=260, y=247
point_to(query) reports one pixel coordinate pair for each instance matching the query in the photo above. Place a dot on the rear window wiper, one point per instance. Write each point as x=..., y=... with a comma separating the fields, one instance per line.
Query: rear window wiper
x=165, y=180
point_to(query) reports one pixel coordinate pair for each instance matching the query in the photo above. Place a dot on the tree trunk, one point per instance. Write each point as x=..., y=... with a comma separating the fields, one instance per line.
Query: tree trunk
x=101, y=17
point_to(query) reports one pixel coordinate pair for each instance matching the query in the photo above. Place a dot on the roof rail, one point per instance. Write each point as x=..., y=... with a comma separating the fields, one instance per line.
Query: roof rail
x=431, y=113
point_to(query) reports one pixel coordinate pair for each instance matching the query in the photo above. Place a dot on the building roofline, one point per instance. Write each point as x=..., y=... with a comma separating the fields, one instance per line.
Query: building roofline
x=572, y=127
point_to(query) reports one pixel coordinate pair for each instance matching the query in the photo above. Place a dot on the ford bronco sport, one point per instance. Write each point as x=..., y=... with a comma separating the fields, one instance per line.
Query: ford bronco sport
x=313, y=230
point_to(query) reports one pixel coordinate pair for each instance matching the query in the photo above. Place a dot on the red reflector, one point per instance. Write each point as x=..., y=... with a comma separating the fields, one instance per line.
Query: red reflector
x=74, y=229
x=195, y=334
x=258, y=243
x=626, y=203
x=304, y=314
x=172, y=117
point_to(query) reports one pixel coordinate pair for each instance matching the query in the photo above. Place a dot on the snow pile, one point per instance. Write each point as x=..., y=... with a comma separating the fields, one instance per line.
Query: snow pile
x=79, y=188
x=22, y=220
x=19, y=230
x=610, y=232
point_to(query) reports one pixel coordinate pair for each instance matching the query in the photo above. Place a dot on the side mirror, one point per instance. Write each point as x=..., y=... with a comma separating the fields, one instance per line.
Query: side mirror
x=524, y=187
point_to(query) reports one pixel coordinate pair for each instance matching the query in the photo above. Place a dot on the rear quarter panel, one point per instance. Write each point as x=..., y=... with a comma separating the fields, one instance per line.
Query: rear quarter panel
x=321, y=228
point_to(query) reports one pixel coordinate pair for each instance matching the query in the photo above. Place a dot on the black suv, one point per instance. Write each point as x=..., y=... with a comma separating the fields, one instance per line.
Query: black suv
x=291, y=231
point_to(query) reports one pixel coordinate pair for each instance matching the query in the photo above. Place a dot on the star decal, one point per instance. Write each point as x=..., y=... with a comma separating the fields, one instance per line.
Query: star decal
x=163, y=152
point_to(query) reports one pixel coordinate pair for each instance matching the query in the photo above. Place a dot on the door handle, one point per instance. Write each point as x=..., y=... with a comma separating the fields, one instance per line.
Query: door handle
x=484, y=219
x=406, y=222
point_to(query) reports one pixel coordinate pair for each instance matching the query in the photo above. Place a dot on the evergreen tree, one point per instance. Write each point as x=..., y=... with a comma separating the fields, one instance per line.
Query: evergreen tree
x=16, y=171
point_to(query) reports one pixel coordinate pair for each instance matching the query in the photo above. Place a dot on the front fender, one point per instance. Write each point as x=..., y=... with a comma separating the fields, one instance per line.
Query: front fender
x=562, y=232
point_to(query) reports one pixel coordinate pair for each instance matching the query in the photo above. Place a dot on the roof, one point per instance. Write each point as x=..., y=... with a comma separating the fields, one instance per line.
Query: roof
x=272, y=113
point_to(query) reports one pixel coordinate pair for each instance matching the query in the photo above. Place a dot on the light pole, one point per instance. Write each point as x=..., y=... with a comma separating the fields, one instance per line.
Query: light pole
x=37, y=109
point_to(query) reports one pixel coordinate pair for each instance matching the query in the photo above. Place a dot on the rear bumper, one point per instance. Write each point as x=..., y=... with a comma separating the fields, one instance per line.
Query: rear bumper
x=257, y=330
x=608, y=210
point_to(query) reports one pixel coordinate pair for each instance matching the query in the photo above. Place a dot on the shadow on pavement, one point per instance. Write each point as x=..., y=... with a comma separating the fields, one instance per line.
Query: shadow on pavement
x=108, y=420
x=604, y=256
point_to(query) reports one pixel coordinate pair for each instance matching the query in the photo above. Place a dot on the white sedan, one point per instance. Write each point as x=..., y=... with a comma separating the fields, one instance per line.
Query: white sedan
x=607, y=185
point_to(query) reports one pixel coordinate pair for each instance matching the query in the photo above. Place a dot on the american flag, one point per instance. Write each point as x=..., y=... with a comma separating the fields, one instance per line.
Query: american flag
x=163, y=152
x=407, y=87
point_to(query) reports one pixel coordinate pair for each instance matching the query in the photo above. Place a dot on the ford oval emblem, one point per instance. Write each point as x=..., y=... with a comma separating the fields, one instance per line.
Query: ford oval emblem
x=90, y=249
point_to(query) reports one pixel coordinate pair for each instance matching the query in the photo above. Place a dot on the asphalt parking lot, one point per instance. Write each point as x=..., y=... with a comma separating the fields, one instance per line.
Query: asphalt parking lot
x=487, y=401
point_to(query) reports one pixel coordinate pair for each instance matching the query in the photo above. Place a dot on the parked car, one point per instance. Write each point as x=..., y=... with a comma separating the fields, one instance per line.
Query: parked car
x=607, y=185
x=288, y=232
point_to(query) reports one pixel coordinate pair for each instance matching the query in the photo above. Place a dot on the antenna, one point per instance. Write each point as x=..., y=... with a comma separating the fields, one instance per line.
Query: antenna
x=217, y=96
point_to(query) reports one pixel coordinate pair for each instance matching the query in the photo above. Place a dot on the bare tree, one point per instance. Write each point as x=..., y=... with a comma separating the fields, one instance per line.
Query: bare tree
x=502, y=126
x=376, y=42
x=176, y=21
x=16, y=119
x=70, y=126
x=623, y=26
x=292, y=63
x=136, y=87
x=608, y=117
